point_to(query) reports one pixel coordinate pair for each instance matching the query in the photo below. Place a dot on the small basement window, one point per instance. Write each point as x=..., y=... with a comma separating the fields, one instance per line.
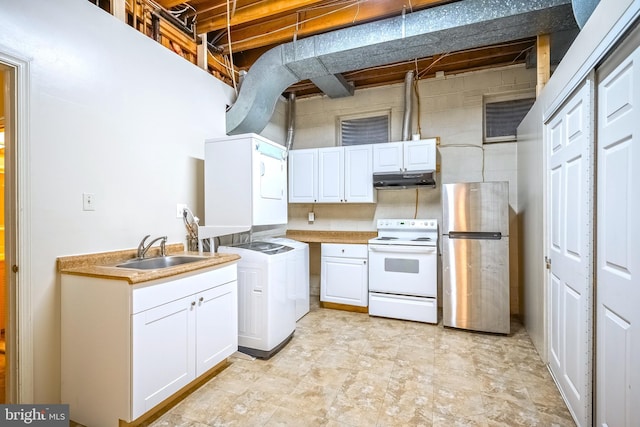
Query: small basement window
x=364, y=129
x=503, y=114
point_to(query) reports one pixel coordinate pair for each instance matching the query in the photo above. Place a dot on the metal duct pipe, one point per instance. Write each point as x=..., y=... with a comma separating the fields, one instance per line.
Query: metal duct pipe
x=291, y=120
x=582, y=10
x=450, y=27
x=408, y=110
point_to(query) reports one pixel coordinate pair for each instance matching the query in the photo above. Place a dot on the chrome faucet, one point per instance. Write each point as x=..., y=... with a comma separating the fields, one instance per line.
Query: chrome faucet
x=142, y=249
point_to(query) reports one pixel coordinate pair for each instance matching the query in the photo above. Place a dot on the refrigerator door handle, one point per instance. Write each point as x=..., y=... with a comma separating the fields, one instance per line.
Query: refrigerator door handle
x=475, y=235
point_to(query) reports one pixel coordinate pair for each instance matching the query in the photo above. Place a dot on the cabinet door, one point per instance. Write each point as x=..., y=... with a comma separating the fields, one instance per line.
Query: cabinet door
x=216, y=326
x=344, y=281
x=331, y=175
x=303, y=176
x=387, y=157
x=163, y=343
x=358, y=174
x=420, y=155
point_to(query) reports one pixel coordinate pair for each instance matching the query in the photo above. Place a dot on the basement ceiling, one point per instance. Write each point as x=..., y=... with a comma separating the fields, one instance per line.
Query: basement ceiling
x=254, y=27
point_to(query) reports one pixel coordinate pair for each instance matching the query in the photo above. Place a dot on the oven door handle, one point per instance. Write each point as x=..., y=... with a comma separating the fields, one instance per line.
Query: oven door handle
x=403, y=249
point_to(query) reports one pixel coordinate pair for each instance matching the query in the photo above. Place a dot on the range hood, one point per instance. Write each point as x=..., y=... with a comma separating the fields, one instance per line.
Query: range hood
x=402, y=180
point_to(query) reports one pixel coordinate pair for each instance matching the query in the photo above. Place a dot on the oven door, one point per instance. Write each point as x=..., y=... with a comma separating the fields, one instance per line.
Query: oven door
x=403, y=270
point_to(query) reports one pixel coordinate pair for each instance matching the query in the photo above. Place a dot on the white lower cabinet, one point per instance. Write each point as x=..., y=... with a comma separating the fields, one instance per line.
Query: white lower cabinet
x=126, y=348
x=344, y=274
x=191, y=327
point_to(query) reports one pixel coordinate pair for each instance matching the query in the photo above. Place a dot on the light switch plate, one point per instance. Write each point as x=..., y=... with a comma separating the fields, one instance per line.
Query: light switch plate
x=88, y=202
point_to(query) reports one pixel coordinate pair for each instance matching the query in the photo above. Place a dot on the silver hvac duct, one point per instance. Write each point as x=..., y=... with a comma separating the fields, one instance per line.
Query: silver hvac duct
x=291, y=120
x=451, y=27
x=408, y=110
x=582, y=10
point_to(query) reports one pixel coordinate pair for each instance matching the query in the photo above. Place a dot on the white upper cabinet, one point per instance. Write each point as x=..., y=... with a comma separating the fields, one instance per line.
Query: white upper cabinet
x=303, y=176
x=388, y=157
x=358, y=174
x=405, y=156
x=332, y=175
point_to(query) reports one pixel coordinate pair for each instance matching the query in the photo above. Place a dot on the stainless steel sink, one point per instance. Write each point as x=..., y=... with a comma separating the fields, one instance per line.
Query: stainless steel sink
x=160, y=262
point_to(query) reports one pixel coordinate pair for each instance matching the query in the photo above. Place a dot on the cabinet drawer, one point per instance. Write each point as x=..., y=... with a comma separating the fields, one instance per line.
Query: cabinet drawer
x=403, y=307
x=344, y=250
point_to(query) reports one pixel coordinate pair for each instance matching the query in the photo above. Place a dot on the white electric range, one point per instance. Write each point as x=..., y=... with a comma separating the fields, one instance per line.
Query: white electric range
x=403, y=270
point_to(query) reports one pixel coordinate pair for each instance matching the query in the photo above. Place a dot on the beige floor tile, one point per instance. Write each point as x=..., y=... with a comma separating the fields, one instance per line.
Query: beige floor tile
x=287, y=417
x=345, y=369
x=355, y=409
x=407, y=403
x=457, y=402
x=440, y=420
x=311, y=398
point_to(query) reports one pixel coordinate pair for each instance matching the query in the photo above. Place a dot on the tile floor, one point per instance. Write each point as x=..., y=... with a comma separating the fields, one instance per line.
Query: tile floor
x=350, y=369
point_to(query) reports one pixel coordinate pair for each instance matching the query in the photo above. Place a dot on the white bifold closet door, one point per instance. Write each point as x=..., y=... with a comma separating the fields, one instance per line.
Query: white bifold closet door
x=569, y=139
x=618, y=237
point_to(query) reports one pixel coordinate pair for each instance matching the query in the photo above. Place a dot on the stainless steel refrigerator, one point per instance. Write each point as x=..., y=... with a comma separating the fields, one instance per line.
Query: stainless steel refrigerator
x=475, y=256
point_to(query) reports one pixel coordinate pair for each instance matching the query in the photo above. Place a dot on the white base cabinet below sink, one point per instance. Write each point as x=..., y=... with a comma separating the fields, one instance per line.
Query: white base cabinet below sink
x=126, y=348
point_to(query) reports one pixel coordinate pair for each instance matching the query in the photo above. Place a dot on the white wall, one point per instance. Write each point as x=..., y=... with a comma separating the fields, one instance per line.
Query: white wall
x=598, y=36
x=113, y=113
x=450, y=108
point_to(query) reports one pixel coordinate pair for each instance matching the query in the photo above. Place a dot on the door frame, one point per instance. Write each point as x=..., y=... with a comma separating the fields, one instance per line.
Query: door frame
x=19, y=351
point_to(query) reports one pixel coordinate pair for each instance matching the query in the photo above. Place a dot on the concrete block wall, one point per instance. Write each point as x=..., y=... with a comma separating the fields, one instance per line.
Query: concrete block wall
x=450, y=108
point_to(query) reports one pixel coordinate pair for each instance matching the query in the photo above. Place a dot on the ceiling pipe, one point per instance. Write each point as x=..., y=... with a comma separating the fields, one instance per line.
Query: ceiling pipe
x=291, y=120
x=408, y=110
x=451, y=27
x=582, y=10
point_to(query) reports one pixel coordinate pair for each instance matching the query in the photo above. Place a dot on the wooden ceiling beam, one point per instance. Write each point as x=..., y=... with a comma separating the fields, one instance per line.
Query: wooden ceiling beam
x=168, y=4
x=252, y=12
x=314, y=21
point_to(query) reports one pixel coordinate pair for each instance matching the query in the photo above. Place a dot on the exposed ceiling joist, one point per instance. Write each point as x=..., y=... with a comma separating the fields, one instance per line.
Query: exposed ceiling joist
x=213, y=20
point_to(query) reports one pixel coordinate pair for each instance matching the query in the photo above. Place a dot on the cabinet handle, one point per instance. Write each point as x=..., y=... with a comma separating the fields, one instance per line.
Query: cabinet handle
x=193, y=303
x=201, y=299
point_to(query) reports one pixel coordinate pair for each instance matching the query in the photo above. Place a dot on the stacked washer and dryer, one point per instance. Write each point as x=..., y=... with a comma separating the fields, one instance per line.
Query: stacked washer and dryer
x=273, y=275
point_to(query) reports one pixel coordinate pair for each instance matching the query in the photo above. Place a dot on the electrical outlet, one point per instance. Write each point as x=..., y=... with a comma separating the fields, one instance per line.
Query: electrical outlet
x=180, y=207
x=88, y=202
x=312, y=216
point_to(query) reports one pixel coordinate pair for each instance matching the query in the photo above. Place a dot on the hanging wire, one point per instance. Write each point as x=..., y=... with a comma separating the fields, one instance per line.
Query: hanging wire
x=233, y=74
